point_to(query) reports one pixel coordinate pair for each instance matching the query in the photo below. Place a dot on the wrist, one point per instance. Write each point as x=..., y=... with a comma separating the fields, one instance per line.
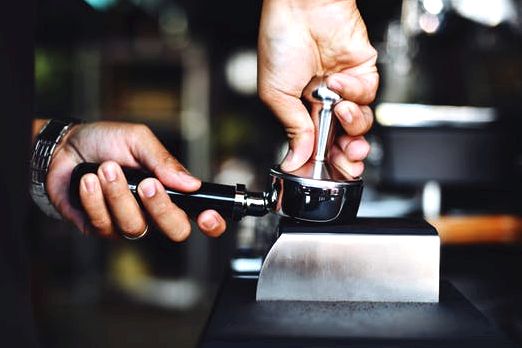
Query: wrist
x=65, y=143
x=49, y=136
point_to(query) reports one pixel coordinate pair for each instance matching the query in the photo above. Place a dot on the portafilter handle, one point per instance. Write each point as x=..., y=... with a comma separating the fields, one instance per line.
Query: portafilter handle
x=232, y=202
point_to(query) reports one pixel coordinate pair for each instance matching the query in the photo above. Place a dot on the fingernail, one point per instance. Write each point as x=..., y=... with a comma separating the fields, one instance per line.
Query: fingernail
x=148, y=186
x=210, y=222
x=187, y=178
x=288, y=159
x=109, y=171
x=89, y=184
x=334, y=84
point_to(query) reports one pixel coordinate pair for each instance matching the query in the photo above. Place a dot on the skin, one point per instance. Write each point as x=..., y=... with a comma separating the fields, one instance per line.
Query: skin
x=301, y=39
x=109, y=207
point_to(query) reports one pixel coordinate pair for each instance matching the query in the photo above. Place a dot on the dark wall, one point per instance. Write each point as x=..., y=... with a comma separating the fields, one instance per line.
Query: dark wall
x=16, y=96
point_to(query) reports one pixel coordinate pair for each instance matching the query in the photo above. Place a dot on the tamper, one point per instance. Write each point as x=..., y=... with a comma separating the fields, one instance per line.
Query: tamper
x=317, y=191
x=314, y=193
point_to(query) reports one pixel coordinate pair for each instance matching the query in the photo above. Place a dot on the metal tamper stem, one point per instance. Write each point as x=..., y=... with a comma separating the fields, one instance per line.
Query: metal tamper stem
x=321, y=100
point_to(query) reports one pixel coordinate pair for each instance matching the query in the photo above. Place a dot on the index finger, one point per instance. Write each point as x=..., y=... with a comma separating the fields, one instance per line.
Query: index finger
x=355, y=119
x=358, y=84
x=149, y=151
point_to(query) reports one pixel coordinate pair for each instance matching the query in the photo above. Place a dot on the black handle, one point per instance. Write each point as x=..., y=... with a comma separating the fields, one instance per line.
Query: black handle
x=210, y=196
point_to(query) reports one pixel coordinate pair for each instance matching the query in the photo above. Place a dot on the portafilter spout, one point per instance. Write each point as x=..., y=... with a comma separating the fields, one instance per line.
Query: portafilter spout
x=315, y=192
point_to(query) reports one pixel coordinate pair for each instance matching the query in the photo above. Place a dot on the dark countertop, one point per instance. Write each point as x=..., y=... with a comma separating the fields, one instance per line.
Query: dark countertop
x=238, y=321
x=489, y=276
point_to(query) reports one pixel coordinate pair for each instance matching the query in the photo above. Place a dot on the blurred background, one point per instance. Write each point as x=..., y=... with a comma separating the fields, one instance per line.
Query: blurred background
x=445, y=146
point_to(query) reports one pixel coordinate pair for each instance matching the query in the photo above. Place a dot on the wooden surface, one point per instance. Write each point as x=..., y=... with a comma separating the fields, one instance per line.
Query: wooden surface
x=479, y=229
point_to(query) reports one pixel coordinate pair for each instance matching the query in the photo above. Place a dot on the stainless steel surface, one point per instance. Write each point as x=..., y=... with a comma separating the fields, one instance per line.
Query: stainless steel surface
x=248, y=203
x=313, y=200
x=351, y=267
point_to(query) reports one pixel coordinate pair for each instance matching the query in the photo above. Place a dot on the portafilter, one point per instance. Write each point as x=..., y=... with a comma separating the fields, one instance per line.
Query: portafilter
x=316, y=192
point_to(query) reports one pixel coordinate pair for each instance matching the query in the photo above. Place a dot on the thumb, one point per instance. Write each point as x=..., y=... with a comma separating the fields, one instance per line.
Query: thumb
x=298, y=126
x=300, y=150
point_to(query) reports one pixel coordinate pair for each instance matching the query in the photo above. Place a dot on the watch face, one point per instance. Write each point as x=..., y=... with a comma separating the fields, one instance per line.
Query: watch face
x=52, y=131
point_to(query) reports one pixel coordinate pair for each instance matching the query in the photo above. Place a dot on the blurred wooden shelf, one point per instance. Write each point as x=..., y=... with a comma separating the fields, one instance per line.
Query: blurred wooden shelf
x=479, y=229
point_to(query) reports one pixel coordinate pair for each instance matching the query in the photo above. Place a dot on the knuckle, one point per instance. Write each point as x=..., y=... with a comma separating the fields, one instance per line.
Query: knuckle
x=368, y=118
x=141, y=128
x=372, y=83
x=372, y=94
x=307, y=129
x=101, y=224
x=89, y=176
x=182, y=231
x=344, y=142
x=140, y=131
x=162, y=210
x=107, y=163
x=373, y=53
x=272, y=96
x=116, y=193
x=367, y=150
x=169, y=161
x=300, y=130
x=132, y=228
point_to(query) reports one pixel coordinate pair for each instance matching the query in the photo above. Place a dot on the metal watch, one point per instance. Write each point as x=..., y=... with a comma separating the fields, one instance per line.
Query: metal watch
x=50, y=135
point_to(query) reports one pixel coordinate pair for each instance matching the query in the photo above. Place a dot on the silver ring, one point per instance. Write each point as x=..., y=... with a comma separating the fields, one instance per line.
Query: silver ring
x=142, y=234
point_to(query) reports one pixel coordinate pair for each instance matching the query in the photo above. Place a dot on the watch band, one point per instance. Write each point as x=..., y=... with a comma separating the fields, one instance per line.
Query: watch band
x=45, y=144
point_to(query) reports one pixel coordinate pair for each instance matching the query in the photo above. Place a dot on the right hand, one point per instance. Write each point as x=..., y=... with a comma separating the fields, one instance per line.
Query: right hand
x=301, y=39
x=109, y=207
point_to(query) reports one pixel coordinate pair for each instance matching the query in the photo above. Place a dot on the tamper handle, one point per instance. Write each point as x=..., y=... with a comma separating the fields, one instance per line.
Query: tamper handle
x=322, y=100
x=231, y=202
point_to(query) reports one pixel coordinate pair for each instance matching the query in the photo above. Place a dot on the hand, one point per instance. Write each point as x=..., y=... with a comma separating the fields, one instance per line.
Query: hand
x=110, y=208
x=299, y=40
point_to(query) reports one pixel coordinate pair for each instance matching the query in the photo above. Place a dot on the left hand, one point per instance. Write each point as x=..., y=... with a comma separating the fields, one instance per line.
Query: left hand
x=109, y=207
